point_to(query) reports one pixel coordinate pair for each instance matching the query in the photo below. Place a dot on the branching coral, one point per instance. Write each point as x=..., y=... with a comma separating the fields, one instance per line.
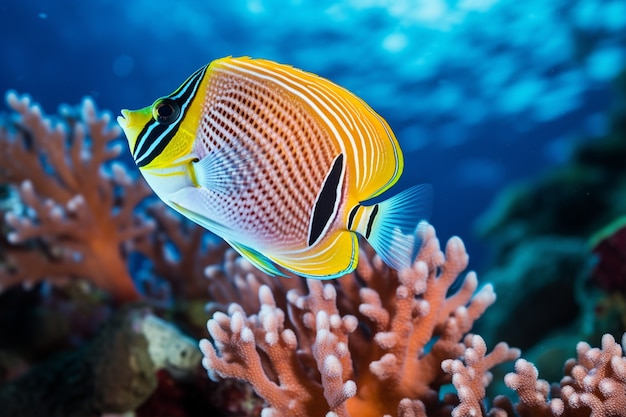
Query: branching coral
x=377, y=342
x=371, y=344
x=79, y=212
x=471, y=375
x=78, y=215
x=178, y=248
x=594, y=384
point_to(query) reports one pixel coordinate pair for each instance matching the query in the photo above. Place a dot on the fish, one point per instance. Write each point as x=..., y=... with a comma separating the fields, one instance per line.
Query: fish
x=284, y=165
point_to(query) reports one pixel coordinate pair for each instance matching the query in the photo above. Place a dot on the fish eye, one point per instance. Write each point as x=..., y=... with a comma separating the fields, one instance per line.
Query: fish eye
x=165, y=111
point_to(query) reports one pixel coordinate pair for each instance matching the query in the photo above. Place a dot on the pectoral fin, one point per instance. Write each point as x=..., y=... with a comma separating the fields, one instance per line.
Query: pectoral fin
x=215, y=170
x=213, y=226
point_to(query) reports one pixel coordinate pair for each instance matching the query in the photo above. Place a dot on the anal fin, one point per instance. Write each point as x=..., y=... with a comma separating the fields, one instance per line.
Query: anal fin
x=332, y=257
x=257, y=259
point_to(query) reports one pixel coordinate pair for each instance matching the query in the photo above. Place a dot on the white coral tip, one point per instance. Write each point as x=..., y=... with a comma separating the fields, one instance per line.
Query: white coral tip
x=236, y=322
x=75, y=202
x=271, y=338
x=290, y=339
x=335, y=321
x=247, y=336
x=349, y=389
x=329, y=292
x=13, y=237
x=26, y=186
x=205, y=346
x=332, y=366
x=266, y=296
x=322, y=320
x=350, y=323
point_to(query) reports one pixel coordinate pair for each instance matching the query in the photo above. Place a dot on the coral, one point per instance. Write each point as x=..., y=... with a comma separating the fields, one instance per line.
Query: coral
x=370, y=344
x=377, y=342
x=73, y=210
x=471, y=375
x=114, y=373
x=179, y=248
x=79, y=208
x=594, y=385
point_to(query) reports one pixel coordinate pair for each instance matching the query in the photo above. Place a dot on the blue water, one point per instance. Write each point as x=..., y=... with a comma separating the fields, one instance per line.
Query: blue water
x=481, y=93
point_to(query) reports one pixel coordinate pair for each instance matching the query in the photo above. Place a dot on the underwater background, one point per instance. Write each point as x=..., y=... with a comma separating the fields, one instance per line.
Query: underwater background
x=480, y=93
x=513, y=110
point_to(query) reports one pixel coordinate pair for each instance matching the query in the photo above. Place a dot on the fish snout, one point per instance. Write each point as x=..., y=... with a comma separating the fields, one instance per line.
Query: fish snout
x=123, y=119
x=133, y=122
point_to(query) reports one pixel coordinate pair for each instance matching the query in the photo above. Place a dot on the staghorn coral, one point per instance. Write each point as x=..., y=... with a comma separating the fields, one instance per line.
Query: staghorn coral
x=471, y=375
x=177, y=248
x=370, y=344
x=79, y=208
x=77, y=212
x=594, y=385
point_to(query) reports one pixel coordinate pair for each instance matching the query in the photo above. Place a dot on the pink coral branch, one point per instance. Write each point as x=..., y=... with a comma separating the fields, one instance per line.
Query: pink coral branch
x=358, y=346
x=287, y=386
x=180, y=252
x=78, y=214
x=471, y=375
x=594, y=384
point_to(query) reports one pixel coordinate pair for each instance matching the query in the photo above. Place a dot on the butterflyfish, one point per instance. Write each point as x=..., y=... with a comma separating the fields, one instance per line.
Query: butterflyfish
x=280, y=163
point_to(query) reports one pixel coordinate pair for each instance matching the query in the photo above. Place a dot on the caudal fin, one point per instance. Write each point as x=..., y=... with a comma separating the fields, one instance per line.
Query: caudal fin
x=391, y=225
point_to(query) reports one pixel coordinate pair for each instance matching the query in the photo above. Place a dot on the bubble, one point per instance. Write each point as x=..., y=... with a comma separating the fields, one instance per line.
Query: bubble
x=123, y=65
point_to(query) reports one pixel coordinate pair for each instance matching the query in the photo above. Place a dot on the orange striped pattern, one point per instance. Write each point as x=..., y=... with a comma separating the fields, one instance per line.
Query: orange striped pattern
x=273, y=159
x=283, y=127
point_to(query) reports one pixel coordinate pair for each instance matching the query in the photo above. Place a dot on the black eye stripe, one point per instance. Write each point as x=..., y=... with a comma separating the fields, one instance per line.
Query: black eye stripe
x=155, y=136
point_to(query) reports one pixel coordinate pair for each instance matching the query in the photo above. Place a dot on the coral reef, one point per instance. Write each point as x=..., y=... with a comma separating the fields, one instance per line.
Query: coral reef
x=384, y=343
x=71, y=210
x=377, y=342
x=594, y=385
x=114, y=373
x=372, y=344
x=79, y=208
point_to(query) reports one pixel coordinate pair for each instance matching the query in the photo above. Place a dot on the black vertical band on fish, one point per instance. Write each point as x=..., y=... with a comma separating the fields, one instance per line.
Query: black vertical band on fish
x=326, y=201
x=353, y=212
x=155, y=136
x=370, y=222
